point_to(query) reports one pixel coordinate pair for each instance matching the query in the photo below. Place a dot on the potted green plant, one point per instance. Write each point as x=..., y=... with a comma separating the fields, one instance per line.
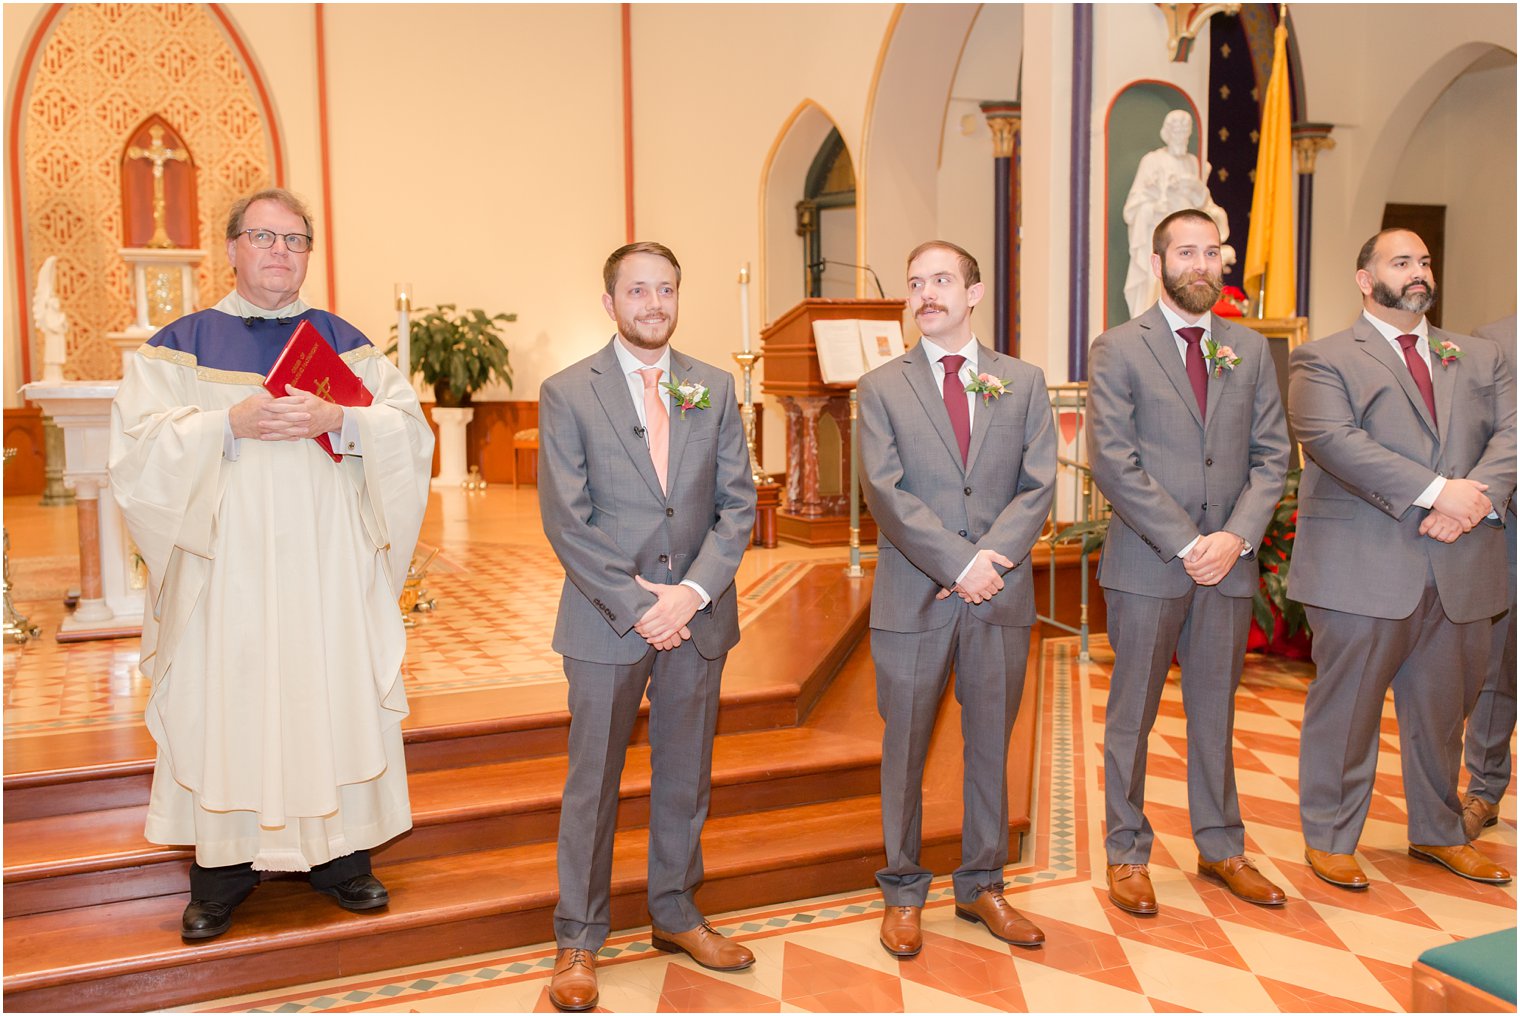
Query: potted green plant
x=458, y=354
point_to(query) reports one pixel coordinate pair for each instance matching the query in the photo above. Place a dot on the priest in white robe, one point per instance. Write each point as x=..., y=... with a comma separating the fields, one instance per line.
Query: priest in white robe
x=274, y=642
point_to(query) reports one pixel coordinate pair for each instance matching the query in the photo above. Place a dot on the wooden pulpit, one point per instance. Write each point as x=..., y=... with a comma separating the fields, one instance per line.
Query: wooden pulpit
x=815, y=506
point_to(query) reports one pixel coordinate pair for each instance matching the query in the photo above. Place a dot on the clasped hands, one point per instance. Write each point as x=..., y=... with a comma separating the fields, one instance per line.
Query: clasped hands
x=292, y=417
x=1212, y=557
x=664, y=625
x=1461, y=505
x=982, y=580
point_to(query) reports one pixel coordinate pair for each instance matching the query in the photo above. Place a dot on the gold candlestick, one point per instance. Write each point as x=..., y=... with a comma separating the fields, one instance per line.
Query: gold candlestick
x=746, y=361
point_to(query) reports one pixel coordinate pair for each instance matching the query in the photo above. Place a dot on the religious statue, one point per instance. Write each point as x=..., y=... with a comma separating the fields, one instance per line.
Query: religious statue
x=1168, y=179
x=47, y=314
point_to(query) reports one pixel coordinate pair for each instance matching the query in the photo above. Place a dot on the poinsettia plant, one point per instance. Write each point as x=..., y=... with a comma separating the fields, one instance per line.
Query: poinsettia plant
x=1275, y=554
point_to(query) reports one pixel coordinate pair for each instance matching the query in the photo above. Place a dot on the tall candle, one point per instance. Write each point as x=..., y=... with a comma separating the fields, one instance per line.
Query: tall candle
x=744, y=307
x=404, y=329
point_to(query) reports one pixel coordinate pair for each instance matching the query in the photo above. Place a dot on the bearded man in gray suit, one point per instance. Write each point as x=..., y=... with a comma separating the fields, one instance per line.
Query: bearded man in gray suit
x=958, y=461
x=647, y=499
x=1492, y=723
x=1409, y=436
x=1188, y=442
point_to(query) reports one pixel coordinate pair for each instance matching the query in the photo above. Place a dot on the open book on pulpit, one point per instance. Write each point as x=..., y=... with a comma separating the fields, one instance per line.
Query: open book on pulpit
x=309, y=363
x=850, y=347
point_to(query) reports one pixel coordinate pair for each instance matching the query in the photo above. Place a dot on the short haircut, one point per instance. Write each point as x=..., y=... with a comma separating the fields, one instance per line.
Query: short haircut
x=616, y=258
x=1364, y=256
x=277, y=194
x=970, y=273
x=1162, y=236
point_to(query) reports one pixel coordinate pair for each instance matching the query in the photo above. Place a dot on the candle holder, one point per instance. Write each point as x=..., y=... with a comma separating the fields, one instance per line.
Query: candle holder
x=746, y=361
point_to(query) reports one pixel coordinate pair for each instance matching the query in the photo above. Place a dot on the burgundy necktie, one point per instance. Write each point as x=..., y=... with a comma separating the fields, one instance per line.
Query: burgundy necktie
x=1420, y=371
x=955, y=403
x=1197, y=373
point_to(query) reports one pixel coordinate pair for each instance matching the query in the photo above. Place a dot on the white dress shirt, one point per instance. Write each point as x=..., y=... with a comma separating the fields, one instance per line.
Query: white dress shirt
x=345, y=440
x=631, y=365
x=1427, y=499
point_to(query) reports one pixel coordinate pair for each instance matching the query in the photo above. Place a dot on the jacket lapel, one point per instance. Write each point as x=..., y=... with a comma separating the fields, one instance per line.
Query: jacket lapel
x=1157, y=334
x=1379, y=349
x=988, y=362
x=680, y=369
x=1444, y=381
x=1220, y=332
x=611, y=390
x=920, y=377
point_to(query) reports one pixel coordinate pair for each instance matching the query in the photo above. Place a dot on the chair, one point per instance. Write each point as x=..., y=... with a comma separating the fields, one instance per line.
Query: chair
x=524, y=441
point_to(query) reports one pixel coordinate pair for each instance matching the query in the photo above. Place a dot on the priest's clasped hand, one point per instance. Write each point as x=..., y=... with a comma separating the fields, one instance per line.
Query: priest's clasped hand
x=294, y=417
x=664, y=624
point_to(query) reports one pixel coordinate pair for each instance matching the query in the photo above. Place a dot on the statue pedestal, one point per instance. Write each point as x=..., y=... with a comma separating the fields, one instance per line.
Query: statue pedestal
x=163, y=290
x=451, y=445
x=110, y=602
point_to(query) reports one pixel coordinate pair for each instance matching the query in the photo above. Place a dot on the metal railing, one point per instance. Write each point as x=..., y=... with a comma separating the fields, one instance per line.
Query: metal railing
x=1078, y=513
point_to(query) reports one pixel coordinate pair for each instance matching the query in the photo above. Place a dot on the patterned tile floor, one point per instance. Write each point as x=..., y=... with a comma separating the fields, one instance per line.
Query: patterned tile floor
x=1327, y=950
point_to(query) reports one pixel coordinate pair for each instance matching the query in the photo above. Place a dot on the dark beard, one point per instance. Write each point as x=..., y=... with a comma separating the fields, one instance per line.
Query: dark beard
x=1192, y=298
x=1412, y=303
x=631, y=331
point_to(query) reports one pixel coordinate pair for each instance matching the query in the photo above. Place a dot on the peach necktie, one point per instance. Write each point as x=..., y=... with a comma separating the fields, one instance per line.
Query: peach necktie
x=656, y=422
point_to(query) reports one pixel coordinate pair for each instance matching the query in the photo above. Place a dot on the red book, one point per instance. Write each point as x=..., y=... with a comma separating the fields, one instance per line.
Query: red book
x=309, y=363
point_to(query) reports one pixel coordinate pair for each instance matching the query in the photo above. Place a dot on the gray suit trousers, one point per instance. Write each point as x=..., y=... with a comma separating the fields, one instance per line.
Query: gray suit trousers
x=683, y=715
x=1207, y=630
x=1493, y=717
x=911, y=671
x=1436, y=668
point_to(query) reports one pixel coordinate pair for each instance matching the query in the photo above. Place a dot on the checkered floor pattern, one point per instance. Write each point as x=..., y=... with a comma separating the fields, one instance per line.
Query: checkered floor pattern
x=1326, y=950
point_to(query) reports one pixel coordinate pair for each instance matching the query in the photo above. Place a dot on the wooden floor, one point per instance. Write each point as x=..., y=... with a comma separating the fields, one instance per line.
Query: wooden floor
x=92, y=910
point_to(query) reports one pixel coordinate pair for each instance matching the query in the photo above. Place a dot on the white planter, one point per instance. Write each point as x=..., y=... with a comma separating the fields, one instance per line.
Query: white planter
x=451, y=446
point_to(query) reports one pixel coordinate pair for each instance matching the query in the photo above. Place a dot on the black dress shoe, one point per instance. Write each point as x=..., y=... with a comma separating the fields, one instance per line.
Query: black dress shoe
x=362, y=892
x=204, y=919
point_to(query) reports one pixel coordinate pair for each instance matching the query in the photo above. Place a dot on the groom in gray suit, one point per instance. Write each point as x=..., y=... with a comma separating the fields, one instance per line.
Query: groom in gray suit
x=958, y=461
x=647, y=498
x=1188, y=442
x=1409, y=436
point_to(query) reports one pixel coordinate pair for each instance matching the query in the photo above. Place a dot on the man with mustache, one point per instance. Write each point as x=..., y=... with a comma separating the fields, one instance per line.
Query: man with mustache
x=958, y=462
x=1409, y=438
x=647, y=499
x=1187, y=440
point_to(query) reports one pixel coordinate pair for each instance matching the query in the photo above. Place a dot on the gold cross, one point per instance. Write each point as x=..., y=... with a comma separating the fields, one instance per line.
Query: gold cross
x=157, y=154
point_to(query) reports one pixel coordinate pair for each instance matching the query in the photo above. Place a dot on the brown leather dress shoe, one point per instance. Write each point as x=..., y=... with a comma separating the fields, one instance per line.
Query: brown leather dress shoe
x=990, y=909
x=1477, y=815
x=573, y=986
x=1129, y=887
x=1464, y=861
x=705, y=945
x=1242, y=878
x=1337, y=869
x=901, y=934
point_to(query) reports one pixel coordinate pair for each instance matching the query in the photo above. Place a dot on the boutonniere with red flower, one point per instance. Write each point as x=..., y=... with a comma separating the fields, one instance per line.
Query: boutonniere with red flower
x=688, y=394
x=989, y=387
x=1446, y=351
x=1221, y=358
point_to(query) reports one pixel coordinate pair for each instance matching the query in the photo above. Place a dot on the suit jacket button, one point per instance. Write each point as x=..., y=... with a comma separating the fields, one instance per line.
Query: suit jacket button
x=1204, y=506
x=1208, y=462
x=968, y=491
x=670, y=513
x=963, y=532
x=664, y=558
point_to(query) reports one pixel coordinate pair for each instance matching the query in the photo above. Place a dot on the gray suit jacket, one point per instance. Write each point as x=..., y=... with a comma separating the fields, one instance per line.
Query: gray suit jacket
x=1371, y=449
x=932, y=513
x=1170, y=475
x=1502, y=334
x=608, y=521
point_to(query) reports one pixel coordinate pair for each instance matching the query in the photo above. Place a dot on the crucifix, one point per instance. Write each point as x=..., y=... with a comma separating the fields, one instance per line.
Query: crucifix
x=157, y=154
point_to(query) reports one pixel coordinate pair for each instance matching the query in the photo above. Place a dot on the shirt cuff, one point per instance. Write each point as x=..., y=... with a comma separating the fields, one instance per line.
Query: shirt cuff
x=1428, y=498
x=229, y=443
x=964, y=570
x=700, y=592
x=1185, y=551
x=346, y=441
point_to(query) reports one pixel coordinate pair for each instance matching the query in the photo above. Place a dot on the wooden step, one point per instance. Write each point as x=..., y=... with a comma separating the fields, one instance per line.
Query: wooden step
x=74, y=860
x=787, y=658
x=129, y=955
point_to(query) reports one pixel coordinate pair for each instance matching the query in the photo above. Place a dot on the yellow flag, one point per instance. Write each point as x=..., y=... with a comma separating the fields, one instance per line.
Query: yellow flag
x=1269, y=250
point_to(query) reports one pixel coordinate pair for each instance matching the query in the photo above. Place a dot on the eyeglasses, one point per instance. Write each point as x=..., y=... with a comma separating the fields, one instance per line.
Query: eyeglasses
x=296, y=243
